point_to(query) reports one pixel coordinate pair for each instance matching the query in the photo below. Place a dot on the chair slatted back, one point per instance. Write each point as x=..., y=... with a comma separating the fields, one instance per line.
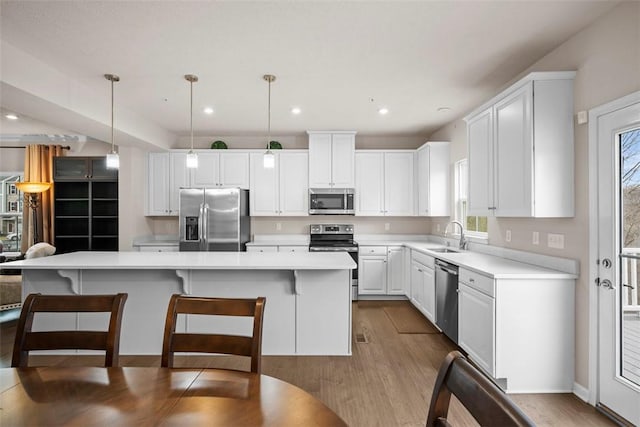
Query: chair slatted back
x=250, y=346
x=483, y=399
x=27, y=340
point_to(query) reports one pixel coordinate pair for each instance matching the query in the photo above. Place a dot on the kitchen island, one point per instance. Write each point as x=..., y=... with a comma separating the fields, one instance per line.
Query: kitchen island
x=308, y=309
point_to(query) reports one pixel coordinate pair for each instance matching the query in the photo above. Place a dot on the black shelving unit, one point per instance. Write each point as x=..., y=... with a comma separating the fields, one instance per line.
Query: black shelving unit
x=86, y=205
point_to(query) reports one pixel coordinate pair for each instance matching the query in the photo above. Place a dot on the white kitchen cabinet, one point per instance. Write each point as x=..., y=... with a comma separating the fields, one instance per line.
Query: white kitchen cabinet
x=521, y=150
x=166, y=173
x=433, y=179
x=507, y=327
x=331, y=159
x=476, y=326
x=480, y=163
x=423, y=290
x=369, y=198
x=158, y=184
x=157, y=248
x=277, y=248
x=384, y=183
x=372, y=275
x=395, y=271
x=221, y=169
x=381, y=270
x=293, y=248
x=281, y=190
x=262, y=248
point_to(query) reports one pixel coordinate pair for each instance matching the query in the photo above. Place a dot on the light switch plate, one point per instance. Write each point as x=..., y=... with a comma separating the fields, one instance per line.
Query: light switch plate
x=535, y=238
x=507, y=236
x=278, y=226
x=555, y=241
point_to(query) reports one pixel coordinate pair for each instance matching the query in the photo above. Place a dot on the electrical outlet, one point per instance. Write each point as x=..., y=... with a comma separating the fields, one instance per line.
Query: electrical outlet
x=555, y=241
x=437, y=228
x=278, y=226
x=535, y=239
x=387, y=226
x=507, y=236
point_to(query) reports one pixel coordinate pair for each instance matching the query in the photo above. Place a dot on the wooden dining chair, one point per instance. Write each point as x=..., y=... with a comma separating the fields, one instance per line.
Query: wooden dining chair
x=26, y=340
x=489, y=405
x=250, y=346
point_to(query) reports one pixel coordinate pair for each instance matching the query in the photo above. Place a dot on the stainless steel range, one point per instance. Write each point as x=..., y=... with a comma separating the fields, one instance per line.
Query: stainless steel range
x=336, y=238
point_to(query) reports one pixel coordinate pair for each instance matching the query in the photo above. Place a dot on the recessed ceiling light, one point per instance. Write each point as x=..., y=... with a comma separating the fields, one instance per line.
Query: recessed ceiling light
x=383, y=110
x=444, y=109
x=296, y=110
x=11, y=116
x=208, y=110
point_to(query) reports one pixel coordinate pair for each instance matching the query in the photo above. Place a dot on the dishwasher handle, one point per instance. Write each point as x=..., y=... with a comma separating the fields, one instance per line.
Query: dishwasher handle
x=453, y=270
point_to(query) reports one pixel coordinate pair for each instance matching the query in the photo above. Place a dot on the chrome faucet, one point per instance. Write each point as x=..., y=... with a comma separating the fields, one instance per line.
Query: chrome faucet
x=463, y=241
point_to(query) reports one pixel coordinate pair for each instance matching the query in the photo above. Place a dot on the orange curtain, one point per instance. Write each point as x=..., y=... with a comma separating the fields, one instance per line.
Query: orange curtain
x=38, y=167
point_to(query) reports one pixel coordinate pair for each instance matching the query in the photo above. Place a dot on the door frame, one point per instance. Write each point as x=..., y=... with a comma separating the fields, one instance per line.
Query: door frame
x=594, y=219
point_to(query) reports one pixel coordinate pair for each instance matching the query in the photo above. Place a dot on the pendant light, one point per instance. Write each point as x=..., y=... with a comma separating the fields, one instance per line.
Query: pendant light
x=269, y=159
x=192, y=158
x=113, y=160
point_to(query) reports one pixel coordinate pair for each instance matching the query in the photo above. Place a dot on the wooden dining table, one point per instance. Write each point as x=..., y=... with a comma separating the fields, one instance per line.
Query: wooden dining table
x=128, y=396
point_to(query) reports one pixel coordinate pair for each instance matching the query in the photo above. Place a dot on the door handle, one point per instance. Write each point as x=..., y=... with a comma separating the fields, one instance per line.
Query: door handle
x=607, y=284
x=628, y=286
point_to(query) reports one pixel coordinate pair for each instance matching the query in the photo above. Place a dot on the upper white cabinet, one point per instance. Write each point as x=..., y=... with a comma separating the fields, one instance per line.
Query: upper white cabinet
x=167, y=172
x=384, y=183
x=221, y=169
x=281, y=190
x=433, y=179
x=521, y=150
x=331, y=159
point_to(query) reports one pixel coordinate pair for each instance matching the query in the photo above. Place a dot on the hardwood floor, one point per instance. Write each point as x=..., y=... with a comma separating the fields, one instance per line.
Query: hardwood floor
x=387, y=382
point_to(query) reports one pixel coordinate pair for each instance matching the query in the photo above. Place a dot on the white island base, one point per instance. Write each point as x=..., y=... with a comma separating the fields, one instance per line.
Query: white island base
x=308, y=308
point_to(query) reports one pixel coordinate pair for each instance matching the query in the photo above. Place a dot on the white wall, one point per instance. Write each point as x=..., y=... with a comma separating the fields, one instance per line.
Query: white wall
x=606, y=56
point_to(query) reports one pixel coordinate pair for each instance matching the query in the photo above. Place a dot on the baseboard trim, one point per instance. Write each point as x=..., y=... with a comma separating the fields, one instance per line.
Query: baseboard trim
x=581, y=392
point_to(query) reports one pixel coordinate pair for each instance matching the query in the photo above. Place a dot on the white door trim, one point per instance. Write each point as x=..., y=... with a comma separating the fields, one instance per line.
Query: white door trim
x=594, y=114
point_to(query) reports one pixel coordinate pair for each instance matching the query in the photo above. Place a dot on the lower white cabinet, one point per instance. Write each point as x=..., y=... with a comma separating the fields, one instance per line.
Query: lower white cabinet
x=519, y=330
x=381, y=270
x=157, y=248
x=278, y=248
x=476, y=326
x=395, y=271
x=372, y=273
x=423, y=289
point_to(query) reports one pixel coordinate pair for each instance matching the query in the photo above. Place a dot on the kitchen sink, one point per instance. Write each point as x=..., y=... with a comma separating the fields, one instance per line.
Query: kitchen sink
x=444, y=250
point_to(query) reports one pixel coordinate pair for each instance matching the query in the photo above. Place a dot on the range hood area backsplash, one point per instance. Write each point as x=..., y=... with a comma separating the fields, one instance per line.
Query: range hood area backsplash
x=300, y=225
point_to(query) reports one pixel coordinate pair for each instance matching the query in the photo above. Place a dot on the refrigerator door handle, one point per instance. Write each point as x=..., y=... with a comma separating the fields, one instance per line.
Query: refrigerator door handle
x=205, y=227
x=201, y=225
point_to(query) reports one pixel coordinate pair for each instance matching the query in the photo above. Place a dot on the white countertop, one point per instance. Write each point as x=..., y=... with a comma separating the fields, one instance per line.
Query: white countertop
x=489, y=265
x=189, y=261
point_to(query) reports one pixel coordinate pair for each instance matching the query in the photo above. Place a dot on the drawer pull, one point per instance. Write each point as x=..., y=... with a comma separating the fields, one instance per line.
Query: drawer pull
x=471, y=280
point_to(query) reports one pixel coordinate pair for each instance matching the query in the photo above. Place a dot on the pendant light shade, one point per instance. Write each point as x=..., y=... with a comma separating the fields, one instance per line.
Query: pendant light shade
x=269, y=159
x=192, y=158
x=113, y=160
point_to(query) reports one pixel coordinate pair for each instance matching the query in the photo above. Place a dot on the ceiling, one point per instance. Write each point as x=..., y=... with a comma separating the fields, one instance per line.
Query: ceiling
x=339, y=61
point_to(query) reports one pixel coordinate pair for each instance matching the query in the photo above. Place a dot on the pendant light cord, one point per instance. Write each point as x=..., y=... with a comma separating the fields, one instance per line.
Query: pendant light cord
x=113, y=150
x=191, y=113
x=269, y=119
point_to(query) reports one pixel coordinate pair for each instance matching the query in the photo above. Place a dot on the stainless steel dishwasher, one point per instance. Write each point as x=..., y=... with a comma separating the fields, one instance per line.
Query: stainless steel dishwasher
x=447, y=298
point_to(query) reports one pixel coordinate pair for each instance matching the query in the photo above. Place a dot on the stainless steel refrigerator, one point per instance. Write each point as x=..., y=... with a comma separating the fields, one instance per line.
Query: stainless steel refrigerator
x=214, y=219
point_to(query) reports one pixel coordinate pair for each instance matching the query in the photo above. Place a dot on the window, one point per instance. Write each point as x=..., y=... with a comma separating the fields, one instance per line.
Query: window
x=474, y=225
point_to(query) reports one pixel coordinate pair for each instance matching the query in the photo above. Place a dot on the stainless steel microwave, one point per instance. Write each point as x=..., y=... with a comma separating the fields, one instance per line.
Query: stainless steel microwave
x=331, y=201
